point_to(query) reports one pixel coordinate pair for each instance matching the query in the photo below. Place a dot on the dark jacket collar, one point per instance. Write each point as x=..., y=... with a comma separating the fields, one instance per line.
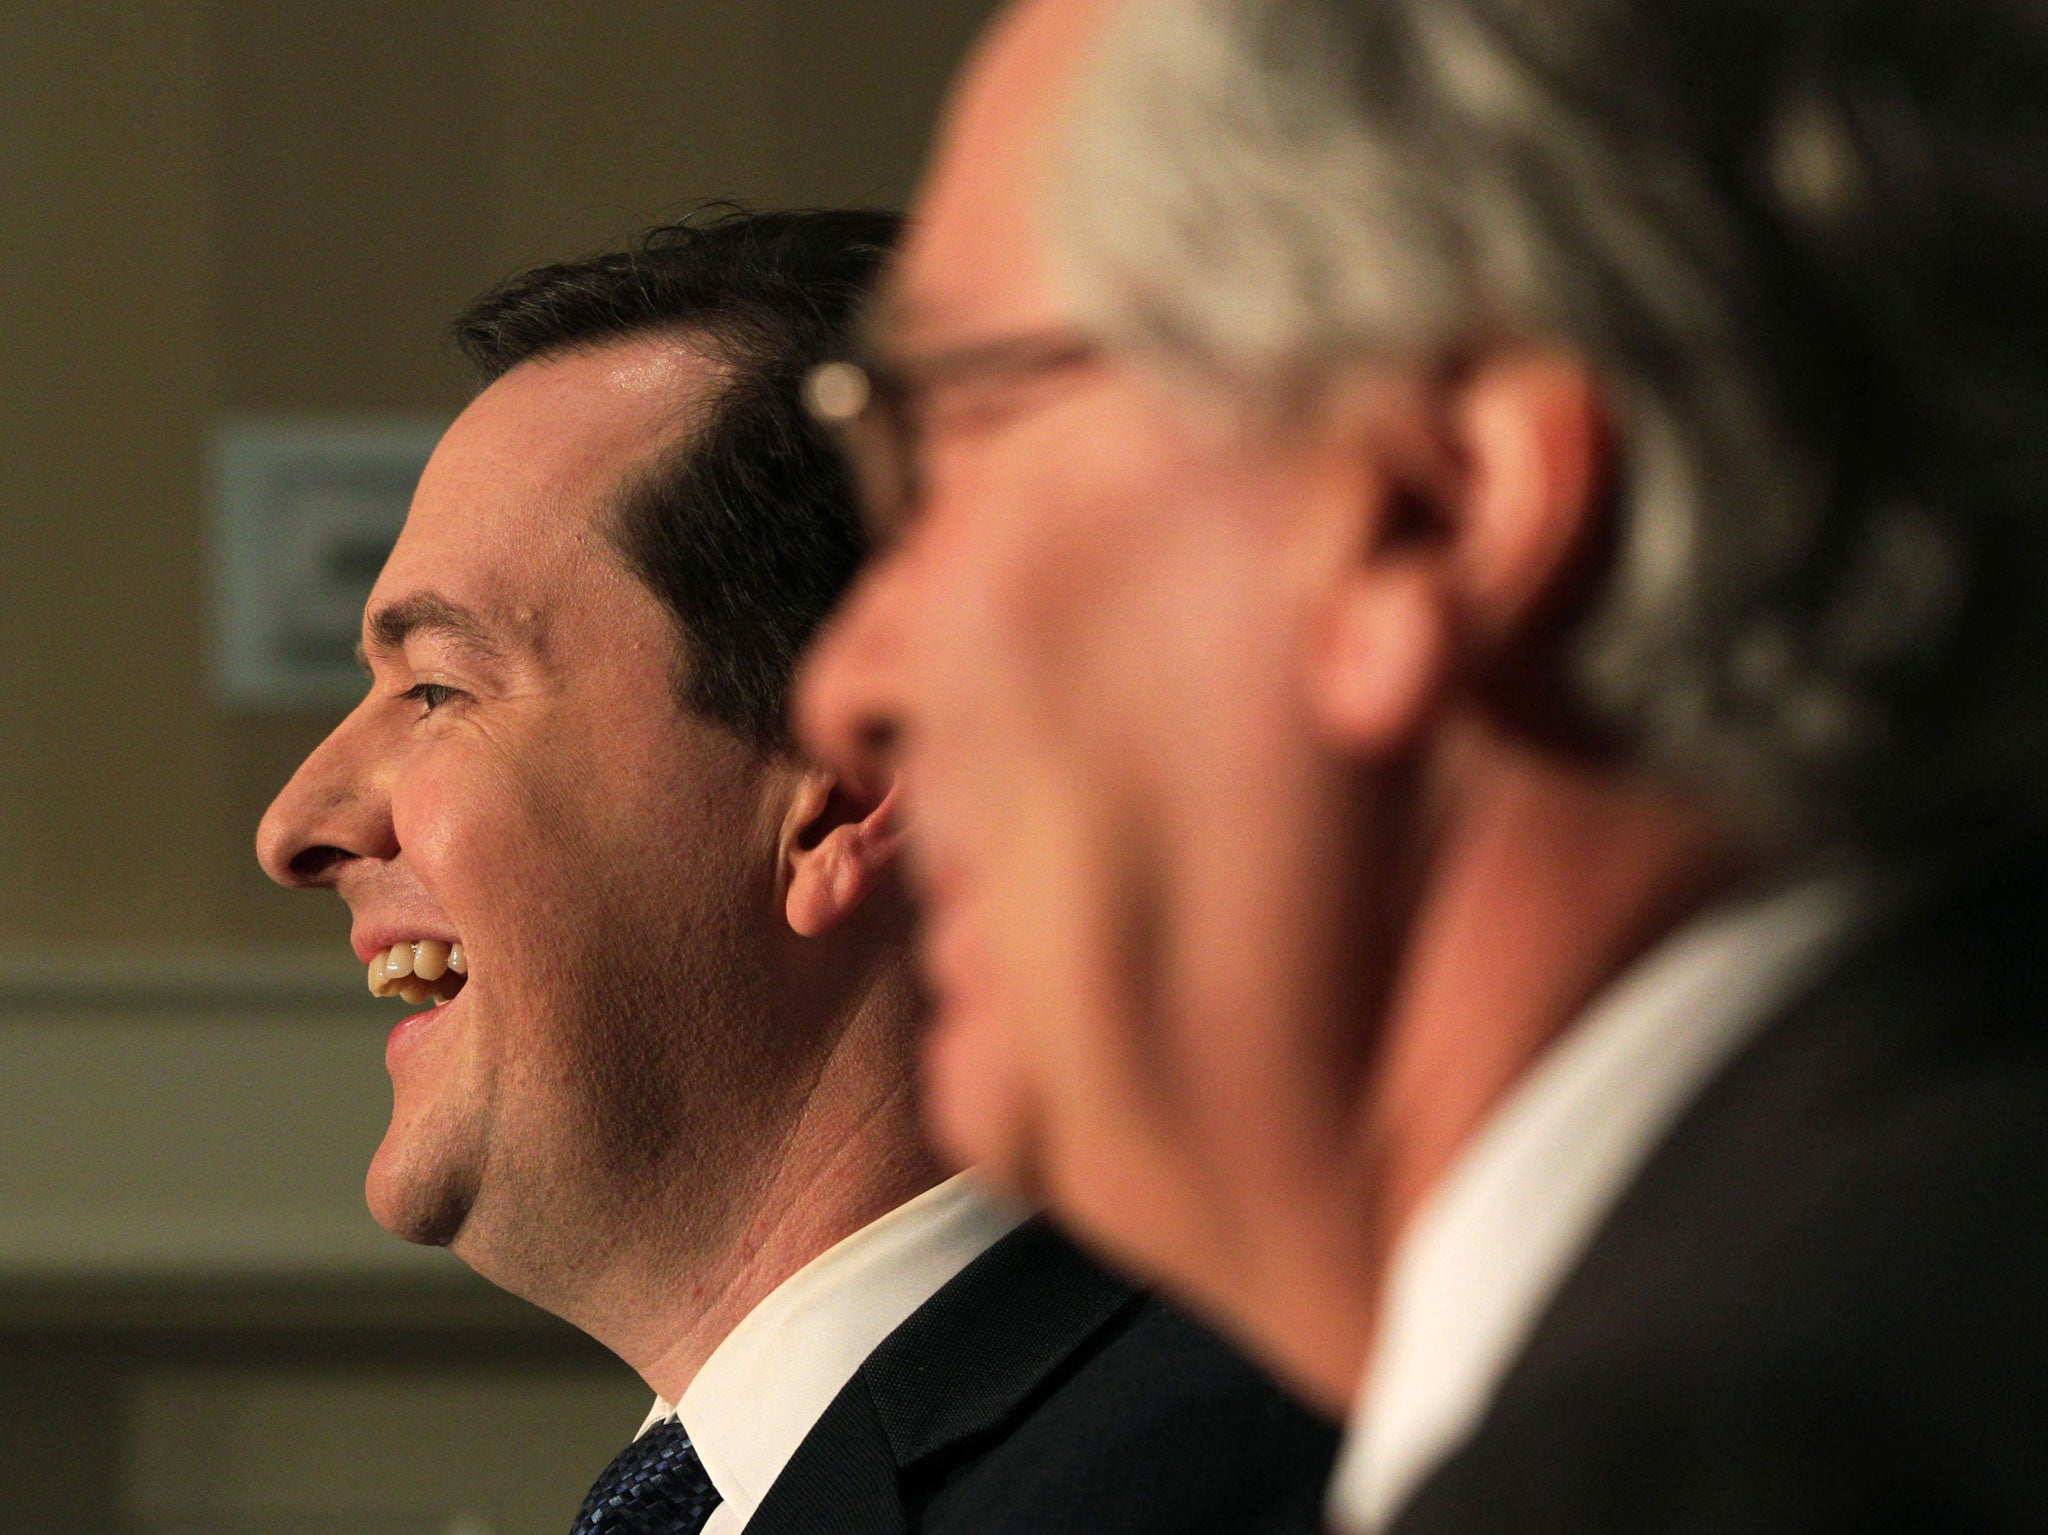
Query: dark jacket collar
x=1772, y=1226
x=969, y=1361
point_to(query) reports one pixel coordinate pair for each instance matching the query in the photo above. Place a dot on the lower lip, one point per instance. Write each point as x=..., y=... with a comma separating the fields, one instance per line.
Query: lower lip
x=410, y=1030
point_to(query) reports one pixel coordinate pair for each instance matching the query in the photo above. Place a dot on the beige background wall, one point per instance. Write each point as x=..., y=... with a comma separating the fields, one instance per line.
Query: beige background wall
x=275, y=205
x=252, y=206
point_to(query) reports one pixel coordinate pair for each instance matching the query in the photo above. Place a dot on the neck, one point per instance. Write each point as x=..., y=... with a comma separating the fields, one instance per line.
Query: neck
x=840, y=1171
x=1546, y=879
x=660, y=1276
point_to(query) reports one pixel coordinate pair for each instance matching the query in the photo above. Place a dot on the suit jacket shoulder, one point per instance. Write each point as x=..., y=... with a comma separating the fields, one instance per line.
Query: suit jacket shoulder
x=1038, y=1392
x=1823, y=1305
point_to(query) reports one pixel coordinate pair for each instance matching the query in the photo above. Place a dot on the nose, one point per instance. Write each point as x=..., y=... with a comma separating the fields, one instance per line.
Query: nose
x=847, y=702
x=334, y=812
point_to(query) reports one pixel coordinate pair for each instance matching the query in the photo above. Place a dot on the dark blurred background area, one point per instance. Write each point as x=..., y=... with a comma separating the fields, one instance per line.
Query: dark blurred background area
x=233, y=233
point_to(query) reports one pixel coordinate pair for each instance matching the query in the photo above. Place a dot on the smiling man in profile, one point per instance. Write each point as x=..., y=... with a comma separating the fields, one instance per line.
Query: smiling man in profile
x=663, y=1087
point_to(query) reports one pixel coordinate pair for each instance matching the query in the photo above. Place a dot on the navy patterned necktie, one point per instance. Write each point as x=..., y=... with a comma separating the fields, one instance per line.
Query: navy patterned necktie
x=656, y=1486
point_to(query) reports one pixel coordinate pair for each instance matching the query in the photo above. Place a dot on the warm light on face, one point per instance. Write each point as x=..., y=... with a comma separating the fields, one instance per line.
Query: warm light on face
x=531, y=830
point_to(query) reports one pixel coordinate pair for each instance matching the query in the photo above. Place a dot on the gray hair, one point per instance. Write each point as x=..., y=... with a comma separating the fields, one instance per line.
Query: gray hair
x=1263, y=187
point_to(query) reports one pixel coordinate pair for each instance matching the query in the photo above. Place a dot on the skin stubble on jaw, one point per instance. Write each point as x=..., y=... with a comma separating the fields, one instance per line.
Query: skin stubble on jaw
x=670, y=1071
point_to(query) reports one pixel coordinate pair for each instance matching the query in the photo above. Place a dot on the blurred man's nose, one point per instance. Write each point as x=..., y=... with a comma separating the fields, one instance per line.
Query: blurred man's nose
x=847, y=712
x=332, y=812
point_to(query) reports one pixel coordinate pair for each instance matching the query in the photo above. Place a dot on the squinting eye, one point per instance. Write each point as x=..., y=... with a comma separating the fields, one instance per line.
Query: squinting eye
x=430, y=695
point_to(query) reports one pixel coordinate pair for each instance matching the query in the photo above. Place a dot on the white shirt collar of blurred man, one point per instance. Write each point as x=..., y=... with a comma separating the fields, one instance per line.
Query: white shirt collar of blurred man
x=765, y=1387
x=1498, y=1239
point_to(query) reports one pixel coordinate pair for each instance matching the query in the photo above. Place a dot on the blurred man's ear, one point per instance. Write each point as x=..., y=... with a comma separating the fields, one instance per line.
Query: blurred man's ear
x=1492, y=490
x=1532, y=434
x=838, y=843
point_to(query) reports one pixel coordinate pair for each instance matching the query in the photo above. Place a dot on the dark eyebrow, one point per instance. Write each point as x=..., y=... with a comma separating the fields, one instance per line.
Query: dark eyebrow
x=391, y=625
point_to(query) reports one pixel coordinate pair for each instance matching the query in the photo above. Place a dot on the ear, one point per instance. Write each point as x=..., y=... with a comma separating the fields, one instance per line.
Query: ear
x=1381, y=649
x=1483, y=498
x=1532, y=434
x=837, y=844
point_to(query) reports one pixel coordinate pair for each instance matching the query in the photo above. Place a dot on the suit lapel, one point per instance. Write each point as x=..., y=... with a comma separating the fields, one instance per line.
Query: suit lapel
x=972, y=1359
x=1949, y=983
x=981, y=1350
x=1911, y=998
x=843, y=1477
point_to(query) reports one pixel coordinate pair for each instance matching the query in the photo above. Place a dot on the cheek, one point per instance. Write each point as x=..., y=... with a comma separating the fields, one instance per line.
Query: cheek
x=978, y=1092
x=502, y=847
x=464, y=821
x=1018, y=566
x=1115, y=680
x=1123, y=622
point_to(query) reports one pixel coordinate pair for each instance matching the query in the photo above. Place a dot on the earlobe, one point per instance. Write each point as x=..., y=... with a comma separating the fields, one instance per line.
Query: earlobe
x=837, y=847
x=1381, y=659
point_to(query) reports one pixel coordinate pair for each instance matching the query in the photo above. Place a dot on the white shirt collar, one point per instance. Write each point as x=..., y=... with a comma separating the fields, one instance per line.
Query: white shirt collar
x=764, y=1388
x=1491, y=1246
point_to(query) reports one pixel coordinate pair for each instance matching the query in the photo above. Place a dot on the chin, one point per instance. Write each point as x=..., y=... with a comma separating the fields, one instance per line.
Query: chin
x=426, y=1204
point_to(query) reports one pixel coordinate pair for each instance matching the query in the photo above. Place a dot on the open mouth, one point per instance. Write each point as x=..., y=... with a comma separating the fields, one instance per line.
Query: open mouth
x=421, y=971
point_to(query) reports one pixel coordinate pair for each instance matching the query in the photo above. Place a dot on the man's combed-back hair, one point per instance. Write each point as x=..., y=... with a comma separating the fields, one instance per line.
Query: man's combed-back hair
x=747, y=527
x=1803, y=242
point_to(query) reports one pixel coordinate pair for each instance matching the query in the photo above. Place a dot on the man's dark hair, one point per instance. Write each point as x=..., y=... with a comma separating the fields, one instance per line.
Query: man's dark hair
x=747, y=529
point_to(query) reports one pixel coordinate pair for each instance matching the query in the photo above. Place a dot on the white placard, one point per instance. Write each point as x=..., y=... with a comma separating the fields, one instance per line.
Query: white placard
x=305, y=511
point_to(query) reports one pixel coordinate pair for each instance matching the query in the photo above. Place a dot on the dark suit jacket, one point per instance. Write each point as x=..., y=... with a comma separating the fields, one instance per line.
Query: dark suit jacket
x=1823, y=1305
x=1038, y=1394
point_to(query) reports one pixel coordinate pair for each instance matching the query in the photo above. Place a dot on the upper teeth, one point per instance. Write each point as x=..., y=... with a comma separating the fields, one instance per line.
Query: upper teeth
x=407, y=969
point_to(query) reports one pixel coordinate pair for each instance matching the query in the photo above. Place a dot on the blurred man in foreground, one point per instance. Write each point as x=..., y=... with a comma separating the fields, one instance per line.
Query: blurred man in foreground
x=665, y=1088
x=1462, y=625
